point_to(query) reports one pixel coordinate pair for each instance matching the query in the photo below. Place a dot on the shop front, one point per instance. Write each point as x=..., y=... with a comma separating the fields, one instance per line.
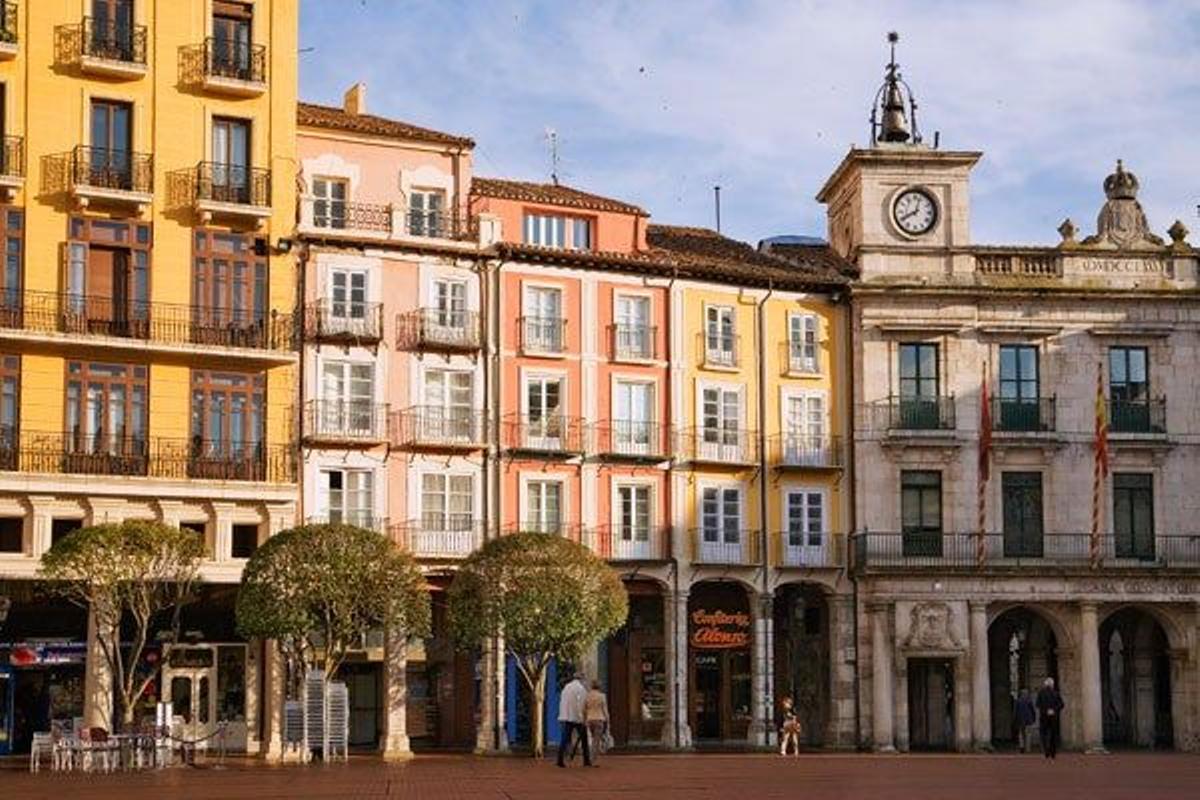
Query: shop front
x=443, y=684
x=719, y=650
x=636, y=669
x=802, y=658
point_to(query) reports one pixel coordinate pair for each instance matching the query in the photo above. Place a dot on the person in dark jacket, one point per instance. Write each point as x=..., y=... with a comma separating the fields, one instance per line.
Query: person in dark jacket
x=1049, y=708
x=1026, y=717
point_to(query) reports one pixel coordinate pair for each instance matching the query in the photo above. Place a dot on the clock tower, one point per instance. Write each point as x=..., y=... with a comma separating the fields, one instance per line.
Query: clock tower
x=899, y=208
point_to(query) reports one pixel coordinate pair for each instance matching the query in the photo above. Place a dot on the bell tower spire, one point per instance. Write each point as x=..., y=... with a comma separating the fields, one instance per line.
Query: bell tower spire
x=894, y=112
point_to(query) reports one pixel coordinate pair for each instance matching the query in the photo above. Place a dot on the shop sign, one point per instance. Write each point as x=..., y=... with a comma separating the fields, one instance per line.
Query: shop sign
x=34, y=655
x=719, y=630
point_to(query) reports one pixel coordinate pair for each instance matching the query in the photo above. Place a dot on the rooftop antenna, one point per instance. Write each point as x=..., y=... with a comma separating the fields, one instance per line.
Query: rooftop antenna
x=552, y=141
x=717, y=202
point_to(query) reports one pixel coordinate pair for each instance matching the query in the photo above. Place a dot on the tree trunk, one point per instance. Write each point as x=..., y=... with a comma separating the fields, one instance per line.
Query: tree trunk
x=539, y=714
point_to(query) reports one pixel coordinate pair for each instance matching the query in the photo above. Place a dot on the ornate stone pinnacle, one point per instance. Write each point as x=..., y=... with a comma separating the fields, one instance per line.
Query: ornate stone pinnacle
x=1121, y=185
x=1067, y=231
x=1178, y=233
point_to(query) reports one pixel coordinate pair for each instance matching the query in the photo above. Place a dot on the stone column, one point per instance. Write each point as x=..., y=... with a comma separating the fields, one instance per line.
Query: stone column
x=677, y=733
x=762, y=725
x=395, y=699
x=839, y=731
x=222, y=543
x=981, y=697
x=254, y=699
x=882, y=679
x=491, y=735
x=1089, y=679
x=272, y=701
x=41, y=525
x=98, y=677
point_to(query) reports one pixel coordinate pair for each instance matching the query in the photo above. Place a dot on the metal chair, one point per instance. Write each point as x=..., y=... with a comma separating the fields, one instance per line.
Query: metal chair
x=43, y=744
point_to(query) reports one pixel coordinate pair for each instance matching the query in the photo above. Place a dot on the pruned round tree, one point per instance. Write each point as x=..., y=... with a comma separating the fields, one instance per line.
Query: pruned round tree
x=547, y=596
x=321, y=589
x=132, y=572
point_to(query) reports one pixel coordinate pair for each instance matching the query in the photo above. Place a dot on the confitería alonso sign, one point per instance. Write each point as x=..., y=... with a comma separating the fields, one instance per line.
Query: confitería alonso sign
x=717, y=630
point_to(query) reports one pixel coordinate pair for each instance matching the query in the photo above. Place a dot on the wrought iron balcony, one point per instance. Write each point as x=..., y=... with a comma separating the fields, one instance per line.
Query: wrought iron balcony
x=636, y=440
x=109, y=170
x=344, y=320
x=1147, y=416
x=235, y=61
x=804, y=549
x=12, y=158
x=915, y=413
x=439, y=536
x=723, y=545
x=721, y=350
x=633, y=342
x=233, y=185
x=568, y=530
x=228, y=461
x=347, y=216
x=345, y=421
x=103, y=40
x=10, y=444
x=734, y=447
x=440, y=428
x=8, y=26
x=1023, y=415
x=629, y=543
x=1051, y=550
x=359, y=518
x=438, y=330
x=552, y=434
x=440, y=224
x=543, y=335
x=163, y=323
x=797, y=451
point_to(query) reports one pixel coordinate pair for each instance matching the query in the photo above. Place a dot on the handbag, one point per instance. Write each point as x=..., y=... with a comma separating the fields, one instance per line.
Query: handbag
x=606, y=741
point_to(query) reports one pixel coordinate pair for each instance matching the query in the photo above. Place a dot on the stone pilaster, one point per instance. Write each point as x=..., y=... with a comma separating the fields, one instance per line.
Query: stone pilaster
x=491, y=735
x=395, y=746
x=1089, y=679
x=762, y=725
x=981, y=685
x=272, y=700
x=882, y=677
x=677, y=733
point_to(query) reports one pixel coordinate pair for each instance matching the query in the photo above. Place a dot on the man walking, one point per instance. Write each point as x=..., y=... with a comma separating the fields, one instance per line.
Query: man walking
x=1026, y=716
x=570, y=719
x=1049, y=708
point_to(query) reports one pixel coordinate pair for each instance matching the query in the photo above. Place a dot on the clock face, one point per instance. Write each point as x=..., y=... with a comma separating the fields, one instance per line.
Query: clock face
x=915, y=212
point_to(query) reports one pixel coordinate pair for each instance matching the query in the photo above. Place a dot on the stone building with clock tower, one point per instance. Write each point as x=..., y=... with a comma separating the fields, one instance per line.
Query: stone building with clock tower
x=989, y=551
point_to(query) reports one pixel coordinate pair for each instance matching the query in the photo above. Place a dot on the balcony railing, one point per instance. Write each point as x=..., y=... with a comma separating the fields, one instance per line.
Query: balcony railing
x=439, y=428
x=629, y=542
x=723, y=545
x=798, y=451
x=344, y=320
x=543, y=335
x=959, y=550
x=805, y=549
x=439, y=537
x=731, y=446
x=112, y=170
x=234, y=60
x=915, y=413
x=796, y=362
x=392, y=221
x=439, y=224
x=556, y=434
x=1023, y=415
x=568, y=530
x=148, y=456
x=1138, y=416
x=632, y=439
x=12, y=157
x=163, y=323
x=1025, y=264
x=104, y=39
x=438, y=329
x=633, y=342
x=359, y=518
x=347, y=421
x=343, y=215
x=233, y=184
x=721, y=350
x=8, y=22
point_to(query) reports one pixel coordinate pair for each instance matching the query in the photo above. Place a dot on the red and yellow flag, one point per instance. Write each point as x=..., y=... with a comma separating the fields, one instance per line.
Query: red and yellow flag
x=1101, y=442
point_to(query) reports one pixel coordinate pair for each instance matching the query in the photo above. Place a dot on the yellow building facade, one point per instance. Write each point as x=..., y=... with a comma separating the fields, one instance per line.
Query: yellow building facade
x=148, y=348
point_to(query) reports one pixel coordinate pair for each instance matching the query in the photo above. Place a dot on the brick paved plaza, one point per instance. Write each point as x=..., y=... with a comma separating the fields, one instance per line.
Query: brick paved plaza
x=812, y=777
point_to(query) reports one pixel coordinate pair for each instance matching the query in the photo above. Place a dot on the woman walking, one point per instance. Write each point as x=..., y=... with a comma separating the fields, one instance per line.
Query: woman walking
x=790, y=730
x=595, y=715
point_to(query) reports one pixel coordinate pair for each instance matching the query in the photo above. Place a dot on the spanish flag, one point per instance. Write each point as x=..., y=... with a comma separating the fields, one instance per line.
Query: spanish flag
x=1101, y=443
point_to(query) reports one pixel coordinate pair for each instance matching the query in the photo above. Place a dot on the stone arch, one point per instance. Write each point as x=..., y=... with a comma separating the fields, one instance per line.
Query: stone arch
x=1138, y=691
x=802, y=647
x=1024, y=647
x=631, y=663
x=722, y=644
x=1177, y=637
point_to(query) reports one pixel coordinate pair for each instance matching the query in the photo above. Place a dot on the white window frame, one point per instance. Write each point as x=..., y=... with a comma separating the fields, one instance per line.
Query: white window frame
x=638, y=346
x=448, y=421
x=349, y=317
x=549, y=331
x=331, y=219
x=803, y=447
x=526, y=520
x=548, y=437
x=800, y=360
x=812, y=546
x=348, y=414
x=633, y=437
x=425, y=221
x=725, y=354
x=545, y=228
x=631, y=547
x=728, y=444
x=447, y=315
x=723, y=549
x=359, y=515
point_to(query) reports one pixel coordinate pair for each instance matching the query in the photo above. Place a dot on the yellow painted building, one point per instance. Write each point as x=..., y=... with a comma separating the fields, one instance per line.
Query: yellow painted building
x=148, y=351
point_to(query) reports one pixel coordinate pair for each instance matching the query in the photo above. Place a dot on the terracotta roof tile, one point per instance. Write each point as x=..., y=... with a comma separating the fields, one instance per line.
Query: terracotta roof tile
x=328, y=117
x=550, y=194
x=819, y=255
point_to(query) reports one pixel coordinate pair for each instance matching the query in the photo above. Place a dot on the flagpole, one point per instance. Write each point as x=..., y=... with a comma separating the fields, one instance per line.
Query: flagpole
x=985, y=444
x=1100, y=469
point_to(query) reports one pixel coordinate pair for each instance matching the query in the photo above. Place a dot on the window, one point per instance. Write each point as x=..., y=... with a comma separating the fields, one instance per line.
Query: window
x=721, y=413
x=449, y=399
x=1129, y=390
x=60, y=528
x=919, y=382
x=721, y=516
x=633, y=416
x=244, y=541
x=720, y=341
x=110, y=162
x=547, y=230
x=633, y=336
x=449, y=303
x=227, y=416
x=12, y=534
x=921, y=513
x=805, y=518
x=347, y=398
x=543, y=324
x=426, y=210
x=111, y=34
x=543, y=506
x=11, y=241
x=230, y=55
x=802, y=342
x=1133, y=515
x=348, y=294
x=230, y=176
x=106, y=409
x=581, y=234
x=347, y=496
x=544, y=407
x=107, y=278
x=805, y=441
x=1022, y=503
x=229, y=290
x=447, y=502
x=329, y=202
x=1019, y=389
x=633, y=513
x=10, y=400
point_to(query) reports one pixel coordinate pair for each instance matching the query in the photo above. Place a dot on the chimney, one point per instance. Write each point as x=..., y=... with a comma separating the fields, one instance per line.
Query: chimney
x=355, y=100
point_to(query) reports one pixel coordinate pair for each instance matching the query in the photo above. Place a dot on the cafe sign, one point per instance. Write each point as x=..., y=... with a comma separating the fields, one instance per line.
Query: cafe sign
x=720, y=630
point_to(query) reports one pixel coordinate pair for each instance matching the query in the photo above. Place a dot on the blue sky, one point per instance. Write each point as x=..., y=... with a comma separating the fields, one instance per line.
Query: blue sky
x=655, y=101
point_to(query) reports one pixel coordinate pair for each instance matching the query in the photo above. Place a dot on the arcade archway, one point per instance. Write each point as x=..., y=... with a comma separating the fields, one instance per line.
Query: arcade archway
x=1022, y=653
x=1135, y=681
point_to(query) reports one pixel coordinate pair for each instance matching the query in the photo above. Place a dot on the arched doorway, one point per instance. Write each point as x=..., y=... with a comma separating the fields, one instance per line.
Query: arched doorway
x=720, y=637
x=635, y=668
x=1135, y=681
x=1022, y=653
x=802, y=658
